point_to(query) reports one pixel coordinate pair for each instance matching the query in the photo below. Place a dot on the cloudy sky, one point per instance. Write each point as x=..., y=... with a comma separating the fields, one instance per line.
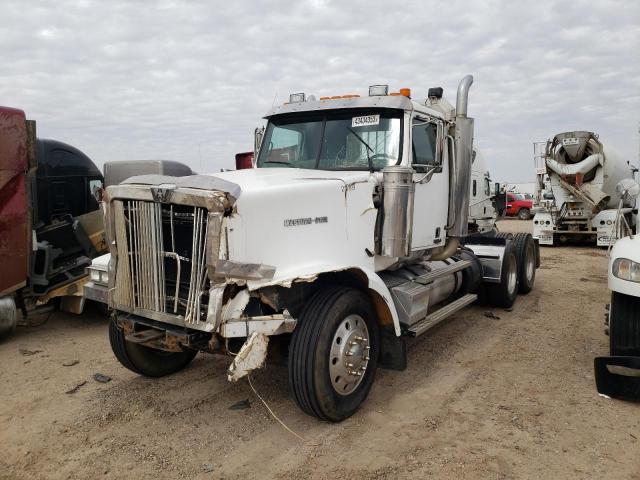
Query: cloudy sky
x=189, y=81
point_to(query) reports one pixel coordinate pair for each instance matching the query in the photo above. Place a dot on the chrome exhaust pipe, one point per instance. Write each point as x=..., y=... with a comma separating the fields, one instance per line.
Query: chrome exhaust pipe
x=462, y=98
x=463, y=138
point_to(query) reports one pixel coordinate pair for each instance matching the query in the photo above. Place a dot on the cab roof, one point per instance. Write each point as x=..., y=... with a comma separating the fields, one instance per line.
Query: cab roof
x=396, y=102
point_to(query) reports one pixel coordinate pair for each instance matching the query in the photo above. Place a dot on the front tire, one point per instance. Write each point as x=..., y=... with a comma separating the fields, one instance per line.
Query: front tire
x=146, y=361
x=524, y=214
x=624, y=325
x=333, y=353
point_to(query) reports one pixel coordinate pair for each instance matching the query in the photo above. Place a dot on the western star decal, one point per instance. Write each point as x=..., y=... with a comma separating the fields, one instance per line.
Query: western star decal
x=296, y=222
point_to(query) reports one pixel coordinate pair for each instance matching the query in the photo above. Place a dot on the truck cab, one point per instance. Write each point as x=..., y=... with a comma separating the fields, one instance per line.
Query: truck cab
x=350, y=234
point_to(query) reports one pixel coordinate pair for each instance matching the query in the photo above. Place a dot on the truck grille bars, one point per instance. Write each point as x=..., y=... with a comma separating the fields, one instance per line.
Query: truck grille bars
x=161, y=258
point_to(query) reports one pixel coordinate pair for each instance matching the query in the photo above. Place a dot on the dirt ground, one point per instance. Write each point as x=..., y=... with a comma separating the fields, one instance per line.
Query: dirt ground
x=483, y=397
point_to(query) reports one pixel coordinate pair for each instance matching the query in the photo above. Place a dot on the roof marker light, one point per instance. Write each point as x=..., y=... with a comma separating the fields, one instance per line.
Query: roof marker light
x=296, y=98
x=378, y=90
x=406, y=92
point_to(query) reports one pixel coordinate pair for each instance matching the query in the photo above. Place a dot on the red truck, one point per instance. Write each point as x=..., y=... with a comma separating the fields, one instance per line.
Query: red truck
x=514, y=205
x=518, y=205
x=50, y=224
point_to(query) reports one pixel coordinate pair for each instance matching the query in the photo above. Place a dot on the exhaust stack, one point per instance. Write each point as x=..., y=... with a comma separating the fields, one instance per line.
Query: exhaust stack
x=463, y=138
x=460, y=174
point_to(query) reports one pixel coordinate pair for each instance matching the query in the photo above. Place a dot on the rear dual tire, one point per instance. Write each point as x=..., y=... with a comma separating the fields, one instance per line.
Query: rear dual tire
x=527, y=257
x=504, y=294
x=527, y=261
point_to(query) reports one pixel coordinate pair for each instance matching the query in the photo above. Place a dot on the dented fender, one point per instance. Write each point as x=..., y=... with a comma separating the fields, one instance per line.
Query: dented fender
x=374, y=283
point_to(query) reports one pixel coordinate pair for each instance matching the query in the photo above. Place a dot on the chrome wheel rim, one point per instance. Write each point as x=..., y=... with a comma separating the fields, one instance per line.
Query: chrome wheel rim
x=349, y=354
x=531, y=264
x=513, y=275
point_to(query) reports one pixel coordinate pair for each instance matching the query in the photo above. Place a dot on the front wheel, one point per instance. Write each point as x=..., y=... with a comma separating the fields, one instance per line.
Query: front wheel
x=146, y=361
x=624, y=325
x=333, y=353
x=524, y=214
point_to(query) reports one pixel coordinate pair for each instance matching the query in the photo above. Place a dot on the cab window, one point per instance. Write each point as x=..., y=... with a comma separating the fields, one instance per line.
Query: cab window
x=425, y=136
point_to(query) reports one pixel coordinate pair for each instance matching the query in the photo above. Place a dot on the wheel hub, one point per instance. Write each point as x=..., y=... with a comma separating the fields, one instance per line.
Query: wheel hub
x=349, y=354
x=531, y=264
x=513, y=275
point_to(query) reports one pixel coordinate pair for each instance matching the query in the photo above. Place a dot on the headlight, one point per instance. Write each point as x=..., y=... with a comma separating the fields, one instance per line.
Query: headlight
x=94, y=275
x=626, y=269
x=98, y=276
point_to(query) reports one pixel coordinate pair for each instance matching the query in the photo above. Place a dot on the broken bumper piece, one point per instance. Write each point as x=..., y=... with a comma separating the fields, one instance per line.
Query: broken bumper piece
x=252, y=355
x=267, y=325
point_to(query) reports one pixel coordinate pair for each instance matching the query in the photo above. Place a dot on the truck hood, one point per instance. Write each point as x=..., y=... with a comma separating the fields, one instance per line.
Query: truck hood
x=253, y=180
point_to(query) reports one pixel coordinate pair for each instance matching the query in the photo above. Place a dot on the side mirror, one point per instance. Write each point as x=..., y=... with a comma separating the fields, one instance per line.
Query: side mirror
x=421, y=168
x=258, y=134
x=497, y=188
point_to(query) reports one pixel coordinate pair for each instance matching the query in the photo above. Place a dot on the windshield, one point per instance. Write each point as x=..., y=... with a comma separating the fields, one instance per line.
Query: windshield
x=343, y=140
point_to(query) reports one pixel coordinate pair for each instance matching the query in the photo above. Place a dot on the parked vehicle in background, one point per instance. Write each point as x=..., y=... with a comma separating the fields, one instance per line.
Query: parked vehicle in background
x=518, y=205
x=482, y=197
x=619, y=374
x=49, y=217
x=511, y=204
x=581, y=172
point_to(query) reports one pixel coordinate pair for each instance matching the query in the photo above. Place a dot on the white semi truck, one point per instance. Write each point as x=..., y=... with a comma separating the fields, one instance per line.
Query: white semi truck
x=618, y=375
x=350, y=234
x=576, y=181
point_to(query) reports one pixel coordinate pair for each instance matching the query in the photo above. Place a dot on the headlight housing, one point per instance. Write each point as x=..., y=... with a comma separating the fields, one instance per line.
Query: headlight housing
x=98, y=276
x=626, y=269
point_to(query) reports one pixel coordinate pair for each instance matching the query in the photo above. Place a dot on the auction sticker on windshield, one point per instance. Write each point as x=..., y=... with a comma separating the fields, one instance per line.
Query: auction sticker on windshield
x=365, y=120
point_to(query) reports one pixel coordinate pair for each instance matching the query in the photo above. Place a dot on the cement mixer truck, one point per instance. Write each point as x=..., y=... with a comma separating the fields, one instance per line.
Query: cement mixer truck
x=577, y=176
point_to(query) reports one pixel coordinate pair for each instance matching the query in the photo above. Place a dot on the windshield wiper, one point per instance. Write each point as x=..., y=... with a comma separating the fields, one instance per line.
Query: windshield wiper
x=283, y=162
x=366, y=145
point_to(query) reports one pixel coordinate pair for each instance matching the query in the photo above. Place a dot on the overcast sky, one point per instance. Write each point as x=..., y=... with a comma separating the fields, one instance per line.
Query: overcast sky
x=189, y=81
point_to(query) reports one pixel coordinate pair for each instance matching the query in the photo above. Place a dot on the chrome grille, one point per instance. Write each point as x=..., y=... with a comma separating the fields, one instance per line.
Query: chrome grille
x=161, y=259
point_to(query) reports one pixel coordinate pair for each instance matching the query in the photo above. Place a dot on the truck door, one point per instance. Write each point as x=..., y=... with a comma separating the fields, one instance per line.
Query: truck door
x=511, y=207
x=432, y=183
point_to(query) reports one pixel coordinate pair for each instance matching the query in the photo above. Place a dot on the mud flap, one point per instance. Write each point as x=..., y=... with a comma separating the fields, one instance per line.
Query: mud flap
x=393, y=351
x=618, y=377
